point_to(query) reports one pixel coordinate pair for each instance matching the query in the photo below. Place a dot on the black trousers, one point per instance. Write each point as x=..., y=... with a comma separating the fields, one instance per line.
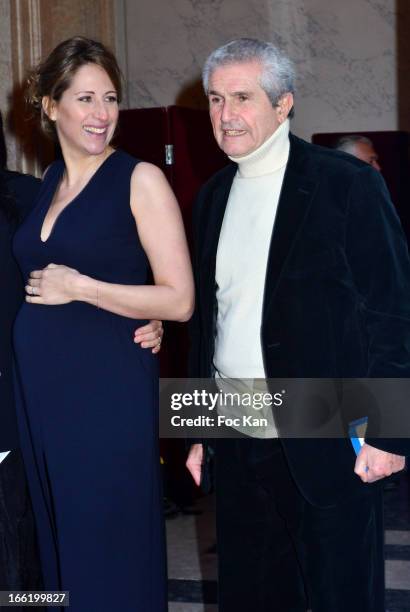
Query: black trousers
x=19, y=560
x=276, y=552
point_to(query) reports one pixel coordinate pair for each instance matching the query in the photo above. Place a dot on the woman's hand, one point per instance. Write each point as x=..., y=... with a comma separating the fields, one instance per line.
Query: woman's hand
x=150, y=335
x=52, y=286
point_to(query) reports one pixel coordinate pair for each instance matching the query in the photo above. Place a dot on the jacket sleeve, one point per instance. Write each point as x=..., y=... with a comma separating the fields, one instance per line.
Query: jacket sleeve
x=377, y=253
x=24, y=189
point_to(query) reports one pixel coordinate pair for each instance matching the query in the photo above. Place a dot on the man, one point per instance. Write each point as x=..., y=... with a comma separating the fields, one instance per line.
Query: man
x=19, y=566
x=361, y=147
x=289, y=284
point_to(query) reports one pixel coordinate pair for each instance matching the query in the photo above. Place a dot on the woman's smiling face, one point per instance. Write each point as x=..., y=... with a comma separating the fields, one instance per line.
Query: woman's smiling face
x=87, y=113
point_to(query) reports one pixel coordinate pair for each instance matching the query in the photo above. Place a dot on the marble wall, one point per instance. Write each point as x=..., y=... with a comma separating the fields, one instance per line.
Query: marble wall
x=352, y=57
x=345, y=54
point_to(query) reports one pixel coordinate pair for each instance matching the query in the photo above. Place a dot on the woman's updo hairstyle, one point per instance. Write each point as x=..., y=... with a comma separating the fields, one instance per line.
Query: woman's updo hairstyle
x=53, y=76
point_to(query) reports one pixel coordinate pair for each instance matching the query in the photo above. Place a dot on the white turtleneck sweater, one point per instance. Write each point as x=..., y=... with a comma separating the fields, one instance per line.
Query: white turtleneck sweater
x=242, y=256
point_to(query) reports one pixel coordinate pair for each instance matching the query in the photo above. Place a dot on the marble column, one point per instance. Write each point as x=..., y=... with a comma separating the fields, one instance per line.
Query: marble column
x=5, y=75
x=29, y=30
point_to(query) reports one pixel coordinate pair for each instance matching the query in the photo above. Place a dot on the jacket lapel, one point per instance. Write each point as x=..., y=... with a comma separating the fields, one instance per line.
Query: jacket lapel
x=298, y=188
x=212, y=230
x=215, y=215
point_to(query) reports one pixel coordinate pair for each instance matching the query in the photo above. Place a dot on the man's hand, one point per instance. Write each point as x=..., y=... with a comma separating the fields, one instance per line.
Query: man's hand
x=194, y=462
x=374, y=464
x=150, y=335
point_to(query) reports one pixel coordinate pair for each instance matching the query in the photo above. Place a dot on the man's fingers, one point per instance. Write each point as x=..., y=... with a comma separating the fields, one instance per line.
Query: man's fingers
x=361, y=469
x=374, y=476
x=373, y=464
x=153, y=326
x=361, y=466
x=147, y=336
x=152, y=332
x=32, y=290
x=398, y=464
x=149, y=340
x=369, y=475
x=195, y=471
x=150, y=336
x=194, y=462
x=145, y=330
x=196, y=475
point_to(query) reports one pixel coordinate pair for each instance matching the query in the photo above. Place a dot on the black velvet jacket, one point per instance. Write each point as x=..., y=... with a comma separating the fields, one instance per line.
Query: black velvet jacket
x=18, y=193
x=337, y=294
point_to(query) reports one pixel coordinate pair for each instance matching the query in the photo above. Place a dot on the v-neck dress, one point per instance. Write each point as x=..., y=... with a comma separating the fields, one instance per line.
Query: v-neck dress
x=88, y=406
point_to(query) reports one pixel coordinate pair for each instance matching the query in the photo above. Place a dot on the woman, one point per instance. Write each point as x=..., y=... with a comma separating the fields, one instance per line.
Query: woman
x=87, y=393
x=19, y=563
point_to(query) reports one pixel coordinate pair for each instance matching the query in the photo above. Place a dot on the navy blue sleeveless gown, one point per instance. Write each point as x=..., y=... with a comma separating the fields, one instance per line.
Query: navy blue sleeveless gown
x=87, y=404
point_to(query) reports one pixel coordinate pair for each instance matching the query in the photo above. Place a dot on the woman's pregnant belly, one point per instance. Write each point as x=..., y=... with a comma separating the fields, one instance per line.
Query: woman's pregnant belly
x=78, y=366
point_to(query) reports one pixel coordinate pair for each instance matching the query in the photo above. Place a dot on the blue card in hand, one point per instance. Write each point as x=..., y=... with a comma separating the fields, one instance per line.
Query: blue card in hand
x=357, y=432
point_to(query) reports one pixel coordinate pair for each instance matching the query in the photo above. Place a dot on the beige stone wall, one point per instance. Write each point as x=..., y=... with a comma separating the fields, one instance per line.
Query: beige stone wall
x=345, y=54
x=352, y=57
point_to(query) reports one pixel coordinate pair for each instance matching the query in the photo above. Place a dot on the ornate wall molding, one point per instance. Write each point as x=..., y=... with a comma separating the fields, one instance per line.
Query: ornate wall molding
x=26, y=39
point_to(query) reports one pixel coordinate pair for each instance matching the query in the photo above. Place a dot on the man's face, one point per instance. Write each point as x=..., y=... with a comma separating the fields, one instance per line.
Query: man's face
x=241, y=113
x=366, y=153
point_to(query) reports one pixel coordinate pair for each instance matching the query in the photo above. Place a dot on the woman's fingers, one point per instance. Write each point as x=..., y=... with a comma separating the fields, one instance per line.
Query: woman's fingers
x=34, y=299
x=36, y=274
x=32, y=289
x=34, y=282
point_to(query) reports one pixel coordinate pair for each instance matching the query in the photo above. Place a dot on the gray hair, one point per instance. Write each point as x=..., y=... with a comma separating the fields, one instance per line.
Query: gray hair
x=348, y=143
x=278, y=73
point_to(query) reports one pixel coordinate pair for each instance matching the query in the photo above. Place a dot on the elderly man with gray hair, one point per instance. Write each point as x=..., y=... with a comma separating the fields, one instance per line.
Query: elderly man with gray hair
x=288, y=288
x=359, y=146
